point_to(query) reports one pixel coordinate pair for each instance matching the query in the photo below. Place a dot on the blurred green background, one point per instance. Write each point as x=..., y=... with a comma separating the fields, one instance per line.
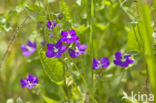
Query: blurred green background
x=112, y=21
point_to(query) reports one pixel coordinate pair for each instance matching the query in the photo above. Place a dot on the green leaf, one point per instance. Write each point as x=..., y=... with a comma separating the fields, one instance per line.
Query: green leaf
x=101, y=26
x=81, y=29
x=126, y=100
x=33, y=8
x=36, y=12
x=49, y=100
x=135, y=41
x=19, y=100
x=53, y=68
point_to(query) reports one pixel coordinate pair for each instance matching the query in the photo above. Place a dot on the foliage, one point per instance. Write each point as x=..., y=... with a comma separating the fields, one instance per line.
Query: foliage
x=106, y=26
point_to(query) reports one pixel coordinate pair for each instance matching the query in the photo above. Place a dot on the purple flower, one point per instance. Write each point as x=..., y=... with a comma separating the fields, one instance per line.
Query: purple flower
x=122, y=61
x=79, y=49
x=98, y=64
x=51, y=25
x=55, y=50
x=29, y=48
x=69, y=37
x=29, y=82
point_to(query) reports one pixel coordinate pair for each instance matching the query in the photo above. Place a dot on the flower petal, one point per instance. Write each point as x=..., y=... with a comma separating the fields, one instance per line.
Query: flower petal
x=124, y=64
x=57, y=55
x=23, y=82
x=29, y=43
x=118, y=55
x=72, y=32
x=24, y=48
x=63, y=49
x=69, y=41
x=35, y=80
x=64, y=39
x=51, y=25
x=95, y=63
x=50, y=54
x=26, y=53
x=82, y=47
x=77, y=43
x=64, y=33
x=127, y=56
x=29, y=86
x=72, y=53
x=75, y=37
x=117, y=62
x=130, y=61
x=58, y=44
x=30, y=78
x=105, y=62
x=50, y=47
x=34, y=45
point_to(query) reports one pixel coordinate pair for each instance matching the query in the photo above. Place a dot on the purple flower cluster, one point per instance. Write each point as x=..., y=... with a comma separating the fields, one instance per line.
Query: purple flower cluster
x=56, y=50
x=69, y=37
x=119, y=61
x=29, y=48
x=53, y=50
x=104, y=62
x=51, y=24
x=79, y=49
x=29, y=82
x=68, y=41
x=122, y=61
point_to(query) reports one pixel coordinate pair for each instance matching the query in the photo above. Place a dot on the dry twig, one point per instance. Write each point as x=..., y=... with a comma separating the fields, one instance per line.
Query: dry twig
x=12, y=41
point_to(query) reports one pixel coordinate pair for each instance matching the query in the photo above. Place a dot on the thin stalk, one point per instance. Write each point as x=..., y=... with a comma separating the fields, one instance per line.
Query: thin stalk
x=50, y=16
x=66, y=86
x=90, y=15
x=12, y=40
x=91, y=44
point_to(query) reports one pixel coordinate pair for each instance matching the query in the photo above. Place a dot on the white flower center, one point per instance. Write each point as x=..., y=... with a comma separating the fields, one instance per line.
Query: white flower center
x=29, y=83
x=29, y=48
x=123, y=59
x=68, y=36
x=99, y=64
x=55, y=50
x=76, y=50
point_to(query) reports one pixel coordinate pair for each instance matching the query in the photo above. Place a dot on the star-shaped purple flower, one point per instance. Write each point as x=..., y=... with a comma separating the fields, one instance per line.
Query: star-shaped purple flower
x=98, y=64
x=51, y=24
x=79, y=49
x=29, y=82
x=69, y=37
x=122, y=61
x=55, y=50
x=29, y=48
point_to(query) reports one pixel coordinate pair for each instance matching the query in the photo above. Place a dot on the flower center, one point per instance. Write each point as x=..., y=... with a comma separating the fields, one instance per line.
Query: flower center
x=99, y=64
x=123, y=59
x=55, y=50
x=29, y=83
x=29, y=48
x=68, y=36
x=77, y=50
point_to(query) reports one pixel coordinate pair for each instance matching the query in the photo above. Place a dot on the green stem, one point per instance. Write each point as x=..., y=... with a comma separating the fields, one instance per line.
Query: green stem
x=91, y=44
x=66, y=86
